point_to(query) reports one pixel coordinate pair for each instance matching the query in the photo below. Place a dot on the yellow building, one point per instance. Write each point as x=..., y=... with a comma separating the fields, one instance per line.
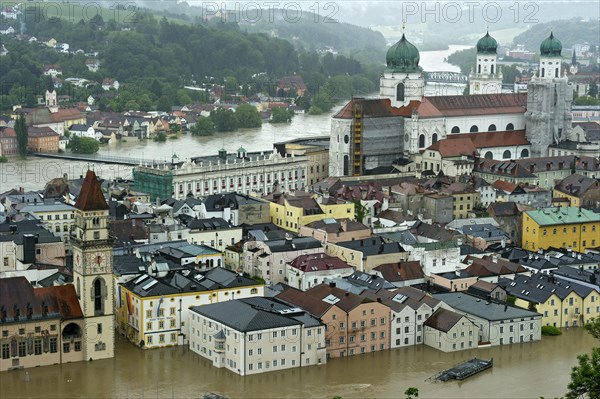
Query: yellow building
x=561, y=227
x=153, y=310
x=291, y=212
x=580, y=191
x=561, y=302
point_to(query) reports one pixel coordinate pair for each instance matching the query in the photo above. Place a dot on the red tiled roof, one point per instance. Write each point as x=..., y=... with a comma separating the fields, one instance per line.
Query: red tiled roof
x=40, y=132
x=442, y=320
x=505, y=186
x=494, y=139
x=454, y=147
x=401, y=271
x=313, y=305
x=376, y=108
x=481, y=104
x=91, y=197
x=8, y=132
x=318, y=262
x=17, y=293
x=347, y=300
x=66, y=114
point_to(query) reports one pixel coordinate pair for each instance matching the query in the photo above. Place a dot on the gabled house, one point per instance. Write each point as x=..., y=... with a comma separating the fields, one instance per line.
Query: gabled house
x=52, y=70
x=92, y=64
x=450, y=331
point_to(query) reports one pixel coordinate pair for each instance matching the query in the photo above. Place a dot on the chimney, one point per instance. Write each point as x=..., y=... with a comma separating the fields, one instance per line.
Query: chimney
x=457, y=271
x=332, y=284
x=495, y=258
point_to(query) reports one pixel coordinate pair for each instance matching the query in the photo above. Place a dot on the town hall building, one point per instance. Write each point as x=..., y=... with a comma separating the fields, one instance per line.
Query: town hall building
x=368, y=133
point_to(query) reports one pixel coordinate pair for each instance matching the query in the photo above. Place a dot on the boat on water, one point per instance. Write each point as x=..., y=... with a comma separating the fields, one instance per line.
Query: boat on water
x=465, y=369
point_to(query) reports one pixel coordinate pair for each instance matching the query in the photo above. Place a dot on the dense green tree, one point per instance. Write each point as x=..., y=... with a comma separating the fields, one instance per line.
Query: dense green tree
x=161, y=136
x=22, y=135
x=83, y=145
x=225, y=120
x=593, y=90
x=281, y=115
x=248, y=116
x=585, y=377
x=203, y=127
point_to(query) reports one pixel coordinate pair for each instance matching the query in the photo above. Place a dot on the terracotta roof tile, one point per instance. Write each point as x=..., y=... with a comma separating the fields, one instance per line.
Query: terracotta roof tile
x=482, y=104
x=454, y=147
x=401, y=271
x=442, y=320
x=495, y=139
x=91, y=197
x=376, y=108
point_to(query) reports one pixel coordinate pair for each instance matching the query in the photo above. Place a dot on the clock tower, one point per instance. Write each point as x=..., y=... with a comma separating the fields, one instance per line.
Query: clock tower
x=93, y=270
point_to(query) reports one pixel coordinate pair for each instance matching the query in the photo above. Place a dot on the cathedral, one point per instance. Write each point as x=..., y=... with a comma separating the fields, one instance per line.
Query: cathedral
x=368, y=133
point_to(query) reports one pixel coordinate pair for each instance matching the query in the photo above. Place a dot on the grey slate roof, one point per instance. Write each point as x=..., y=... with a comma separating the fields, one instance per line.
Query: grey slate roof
x=539, y=287
x=187, y=280
x=296, y=243
x=491, y=311
x=256, y=314
x=372, y=246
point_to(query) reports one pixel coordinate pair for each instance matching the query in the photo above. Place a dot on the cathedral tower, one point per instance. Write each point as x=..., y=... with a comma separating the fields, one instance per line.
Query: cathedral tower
x=549, y=100
x=402, y=81
x=93, y=270
x=486, y=79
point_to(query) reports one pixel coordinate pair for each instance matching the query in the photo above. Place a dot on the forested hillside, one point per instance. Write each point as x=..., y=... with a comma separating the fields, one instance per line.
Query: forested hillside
x=154, y=58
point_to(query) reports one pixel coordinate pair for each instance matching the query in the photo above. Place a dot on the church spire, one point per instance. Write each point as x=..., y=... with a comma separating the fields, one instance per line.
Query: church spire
x=91, y=197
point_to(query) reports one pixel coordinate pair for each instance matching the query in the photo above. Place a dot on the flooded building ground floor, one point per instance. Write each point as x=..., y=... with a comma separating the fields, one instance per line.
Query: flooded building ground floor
x=179, y=373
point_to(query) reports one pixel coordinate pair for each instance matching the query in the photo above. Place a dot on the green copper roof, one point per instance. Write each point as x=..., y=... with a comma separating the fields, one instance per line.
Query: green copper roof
x=487, y=45
x=402, y=57
x=551, y=47
x=242, y=149
x=563, y=215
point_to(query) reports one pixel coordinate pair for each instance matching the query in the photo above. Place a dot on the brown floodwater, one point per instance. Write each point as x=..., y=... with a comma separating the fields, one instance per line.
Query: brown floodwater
x=527, y=370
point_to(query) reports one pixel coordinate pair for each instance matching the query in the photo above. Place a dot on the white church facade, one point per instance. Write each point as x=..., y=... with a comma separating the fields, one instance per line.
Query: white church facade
x=368, y=133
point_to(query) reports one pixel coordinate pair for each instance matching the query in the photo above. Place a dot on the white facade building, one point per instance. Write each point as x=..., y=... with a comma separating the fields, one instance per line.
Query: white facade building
x=252, y=336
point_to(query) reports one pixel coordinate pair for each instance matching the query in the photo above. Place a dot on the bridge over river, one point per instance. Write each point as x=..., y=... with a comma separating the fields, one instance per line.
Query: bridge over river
x=96, y=158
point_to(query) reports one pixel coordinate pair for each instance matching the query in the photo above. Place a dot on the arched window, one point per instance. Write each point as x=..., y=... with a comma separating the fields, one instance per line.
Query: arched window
x=99, y=288
x=524, y=153
x=474, y=129
x=479, y=68
x=543, y=72
x=489, y=155
x=346, y=165
x=78, y=288
x=492, y=128
x=422, y=141
x=492, y=69
x=556, y=73
x=400, y=92
x=455, y=129
x=510, y=126
x=434, y=138
x=346, y=139
x=506, y=154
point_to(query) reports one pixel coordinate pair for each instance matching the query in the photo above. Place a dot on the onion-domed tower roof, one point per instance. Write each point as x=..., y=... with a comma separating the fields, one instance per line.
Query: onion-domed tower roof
x=551, y=47
x=403, y=57
x=487, y=45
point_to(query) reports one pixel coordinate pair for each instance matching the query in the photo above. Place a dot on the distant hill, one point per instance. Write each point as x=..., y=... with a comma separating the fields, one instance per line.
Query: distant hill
x=569, y=32
x=313, y=33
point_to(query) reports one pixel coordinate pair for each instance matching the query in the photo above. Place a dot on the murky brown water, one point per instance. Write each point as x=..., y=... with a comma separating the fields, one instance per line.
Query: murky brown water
x=520, y=371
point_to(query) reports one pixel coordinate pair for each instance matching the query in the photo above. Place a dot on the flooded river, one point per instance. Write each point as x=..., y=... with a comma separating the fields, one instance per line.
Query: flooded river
x=527, y=370
x=33, y=173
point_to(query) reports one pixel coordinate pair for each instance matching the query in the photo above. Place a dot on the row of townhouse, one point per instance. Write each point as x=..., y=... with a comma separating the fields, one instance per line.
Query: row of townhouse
x=562, y=302
x=153, y=307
